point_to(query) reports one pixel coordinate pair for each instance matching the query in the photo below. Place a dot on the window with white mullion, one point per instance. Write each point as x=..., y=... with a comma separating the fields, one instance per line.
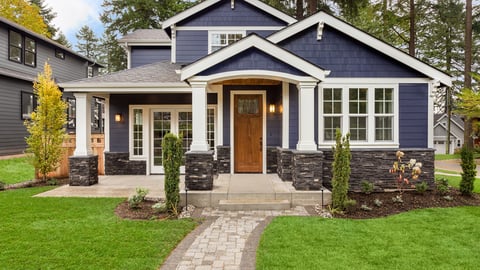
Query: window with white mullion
x=384, y=114
x=220, y=39
x=332, y=111
x=358, y=113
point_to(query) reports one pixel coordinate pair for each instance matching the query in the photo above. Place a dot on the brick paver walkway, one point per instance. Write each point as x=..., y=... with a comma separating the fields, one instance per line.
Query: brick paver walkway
x=227, y=240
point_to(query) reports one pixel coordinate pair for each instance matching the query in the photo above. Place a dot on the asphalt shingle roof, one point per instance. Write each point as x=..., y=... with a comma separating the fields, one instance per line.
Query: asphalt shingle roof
x=146, y=35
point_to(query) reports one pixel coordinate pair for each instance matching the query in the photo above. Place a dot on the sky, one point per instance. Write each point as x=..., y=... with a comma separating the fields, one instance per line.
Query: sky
x=73, y=14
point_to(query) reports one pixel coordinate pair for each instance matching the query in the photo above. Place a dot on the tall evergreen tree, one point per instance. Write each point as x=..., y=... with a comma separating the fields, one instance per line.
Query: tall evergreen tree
x=62, y=39
x=468, y=142
x=47, y=14
x=87, y=42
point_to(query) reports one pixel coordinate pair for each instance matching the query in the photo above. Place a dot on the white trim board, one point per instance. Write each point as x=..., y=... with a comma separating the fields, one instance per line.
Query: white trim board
x=253, y=41
x=230, y=28
x=206, y=4
x=382, y=47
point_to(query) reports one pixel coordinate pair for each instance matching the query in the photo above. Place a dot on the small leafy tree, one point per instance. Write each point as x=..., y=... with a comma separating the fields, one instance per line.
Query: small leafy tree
x=341, y=171
x=469, y=171
x=46, y=126
x=172, y=159
x=400, y=170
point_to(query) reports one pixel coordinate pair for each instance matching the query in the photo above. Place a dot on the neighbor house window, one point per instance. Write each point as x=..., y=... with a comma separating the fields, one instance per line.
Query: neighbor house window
x=98, y=115
x=71, y=113
x=29, y=103
x=15, y=47
x=368, y=112
x=59, y=54
x=218, y=40
x=22, y=49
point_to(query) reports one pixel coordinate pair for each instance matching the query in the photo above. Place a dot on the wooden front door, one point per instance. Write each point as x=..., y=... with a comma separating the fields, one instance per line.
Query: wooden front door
x=248, y=131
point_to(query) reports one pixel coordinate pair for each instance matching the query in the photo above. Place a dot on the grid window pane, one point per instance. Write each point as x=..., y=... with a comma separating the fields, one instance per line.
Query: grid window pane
x=219, y=40
x=15, y=46
x=138, y=132
x=358, y=128
x=384, y=128
x=332, y=100
x=383, y=100
x=331, y=125
x=211, y=128
x=185, y=130
x=358, y=100
x=161, y=126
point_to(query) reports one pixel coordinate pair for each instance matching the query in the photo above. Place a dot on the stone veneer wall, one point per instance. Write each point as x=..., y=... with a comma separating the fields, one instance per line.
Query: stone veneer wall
x=373, y=165
x=118, y=163
x=83, y=170
x=307, y=170
x=223, y=159
x=199, y=170
x=284, y=163
x=272, y=163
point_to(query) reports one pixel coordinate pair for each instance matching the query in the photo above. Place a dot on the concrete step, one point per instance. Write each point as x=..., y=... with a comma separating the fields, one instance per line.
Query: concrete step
x=253, y=204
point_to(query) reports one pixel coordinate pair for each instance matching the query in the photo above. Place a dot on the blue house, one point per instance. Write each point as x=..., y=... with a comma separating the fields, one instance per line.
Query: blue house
x=253, y=90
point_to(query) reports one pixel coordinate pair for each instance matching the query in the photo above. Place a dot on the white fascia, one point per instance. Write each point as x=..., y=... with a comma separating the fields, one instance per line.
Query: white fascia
x=130, y=88
x=247, y=43
x=271, y=10
x=148, y=42
x=402, y=57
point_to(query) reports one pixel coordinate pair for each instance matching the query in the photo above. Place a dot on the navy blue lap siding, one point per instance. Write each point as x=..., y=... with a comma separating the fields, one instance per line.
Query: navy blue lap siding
x=345, y=56
x=120, y=103
x=274, y=120
x=148, y=55
x=252, y=59
x=221, y=14
x=413, y=119
x=191, y=45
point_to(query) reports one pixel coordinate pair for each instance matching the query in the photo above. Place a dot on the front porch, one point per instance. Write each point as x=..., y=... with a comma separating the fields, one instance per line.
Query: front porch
x=255, y=190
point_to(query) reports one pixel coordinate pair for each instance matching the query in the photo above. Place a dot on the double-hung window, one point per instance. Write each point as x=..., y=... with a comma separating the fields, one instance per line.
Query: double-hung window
x=218, y=40
x=368, y=112
x=29, y=103
x=22, y=49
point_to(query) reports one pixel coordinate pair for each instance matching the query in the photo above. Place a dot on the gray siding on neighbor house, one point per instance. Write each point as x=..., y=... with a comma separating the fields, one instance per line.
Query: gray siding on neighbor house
x=143, y=55
x=252, y=59
x=12, y=130
x=191, y=45
x=345, y=56
x=70, y=68
x=221, y=14
x=120, y=104
x=413, y=119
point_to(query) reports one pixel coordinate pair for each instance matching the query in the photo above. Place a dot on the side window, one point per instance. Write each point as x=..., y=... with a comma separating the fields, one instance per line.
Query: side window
x=218, y=40
x=29, y=103
x=22, y=49
x=15, y=46
x=30, y=52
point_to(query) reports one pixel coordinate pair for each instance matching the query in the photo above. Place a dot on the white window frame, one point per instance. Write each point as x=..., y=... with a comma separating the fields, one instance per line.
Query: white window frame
x=345, y=121
x=229, y=32
x=145, y=129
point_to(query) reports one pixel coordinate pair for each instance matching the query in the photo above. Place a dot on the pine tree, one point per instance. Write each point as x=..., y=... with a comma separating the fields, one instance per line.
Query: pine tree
x=46, y=127
x=62, y=39
x=87, y=42
x=47, y=14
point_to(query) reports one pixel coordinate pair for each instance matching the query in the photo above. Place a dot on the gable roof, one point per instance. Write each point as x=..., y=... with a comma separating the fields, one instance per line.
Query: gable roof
x=253, y=41
x=457, y=120
x=206, y=4
x=44, y=39
x=144, y=37
x=322, y=17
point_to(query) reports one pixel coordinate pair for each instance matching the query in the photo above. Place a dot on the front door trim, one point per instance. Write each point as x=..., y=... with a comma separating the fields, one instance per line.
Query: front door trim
x=263, y=93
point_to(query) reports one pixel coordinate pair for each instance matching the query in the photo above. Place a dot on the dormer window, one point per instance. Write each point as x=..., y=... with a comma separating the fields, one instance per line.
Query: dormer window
x=220, y=39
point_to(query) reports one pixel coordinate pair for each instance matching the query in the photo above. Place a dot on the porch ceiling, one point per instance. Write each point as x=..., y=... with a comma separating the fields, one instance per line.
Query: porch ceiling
x=252, y=81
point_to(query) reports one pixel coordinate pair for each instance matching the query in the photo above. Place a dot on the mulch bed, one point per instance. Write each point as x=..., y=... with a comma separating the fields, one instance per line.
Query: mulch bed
x=145, y=211
x=411, y=200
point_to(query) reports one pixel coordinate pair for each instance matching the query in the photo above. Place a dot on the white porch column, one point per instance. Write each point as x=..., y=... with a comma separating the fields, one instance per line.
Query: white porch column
x=306, y=128
x=199, y=116
x=83, y=128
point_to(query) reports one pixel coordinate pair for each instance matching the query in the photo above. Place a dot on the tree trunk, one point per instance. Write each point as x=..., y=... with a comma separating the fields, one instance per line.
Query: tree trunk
x=468, y=69
x=299, y=11
x=411, y=43
x=312, y=6
x=449, y=119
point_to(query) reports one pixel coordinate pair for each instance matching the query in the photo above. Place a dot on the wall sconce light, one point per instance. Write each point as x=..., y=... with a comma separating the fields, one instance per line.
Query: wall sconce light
x=118, y=117
x=271, y=108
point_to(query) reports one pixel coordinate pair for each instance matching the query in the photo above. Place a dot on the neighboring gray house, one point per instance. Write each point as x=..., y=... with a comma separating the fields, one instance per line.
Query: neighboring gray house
x=440, y=133
x=23, y=54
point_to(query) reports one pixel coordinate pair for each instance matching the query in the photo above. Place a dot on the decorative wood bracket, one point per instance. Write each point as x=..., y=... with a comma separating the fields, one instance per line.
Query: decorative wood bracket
x=174, y=31
x=320, y=30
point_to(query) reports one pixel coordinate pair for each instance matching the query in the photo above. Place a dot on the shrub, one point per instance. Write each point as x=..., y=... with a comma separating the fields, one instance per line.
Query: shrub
x=2, y=185
x=172, y=159
x=421, y=187
x=367, y=187
x=135, y=200
x=378, y=202
x=52, y=182
x=469, y=171
x=341, y=171
x=159, y=207
x=442, y=185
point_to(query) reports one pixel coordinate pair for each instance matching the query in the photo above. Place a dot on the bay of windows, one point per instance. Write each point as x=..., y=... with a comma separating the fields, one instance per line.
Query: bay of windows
x=366, y=112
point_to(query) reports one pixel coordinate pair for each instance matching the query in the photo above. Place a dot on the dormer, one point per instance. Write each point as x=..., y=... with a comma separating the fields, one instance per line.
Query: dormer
x=146, y=46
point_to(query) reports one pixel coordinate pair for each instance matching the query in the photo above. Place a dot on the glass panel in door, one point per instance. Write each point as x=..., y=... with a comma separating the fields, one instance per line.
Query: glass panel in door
x=185, y=129
x=162, y=124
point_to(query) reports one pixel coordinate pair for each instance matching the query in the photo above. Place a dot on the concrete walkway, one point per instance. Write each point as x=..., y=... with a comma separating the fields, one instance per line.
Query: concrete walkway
x=226, y=240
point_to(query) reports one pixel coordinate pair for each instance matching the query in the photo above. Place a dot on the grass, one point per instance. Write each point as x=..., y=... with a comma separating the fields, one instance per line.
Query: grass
x=454, y=181
x=446, y=157
x=422, y=239
x=15, y=170
x=80, y=233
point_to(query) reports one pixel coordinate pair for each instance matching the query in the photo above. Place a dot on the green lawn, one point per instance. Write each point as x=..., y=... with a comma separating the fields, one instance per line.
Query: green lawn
x=80, y=233
x=423, y=239
x=15, y=170
x=445, y=156
x=454, y=181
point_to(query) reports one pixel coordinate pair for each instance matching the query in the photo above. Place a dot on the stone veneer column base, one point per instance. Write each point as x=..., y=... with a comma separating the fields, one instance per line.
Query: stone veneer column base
x=119, y=163
x=284, y=164
x=199, y=170
x=223, y=159
x=83, y=170
x=307, y=170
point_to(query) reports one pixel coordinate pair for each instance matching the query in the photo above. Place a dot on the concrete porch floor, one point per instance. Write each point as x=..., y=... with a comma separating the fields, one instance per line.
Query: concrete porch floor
x=259, y=187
